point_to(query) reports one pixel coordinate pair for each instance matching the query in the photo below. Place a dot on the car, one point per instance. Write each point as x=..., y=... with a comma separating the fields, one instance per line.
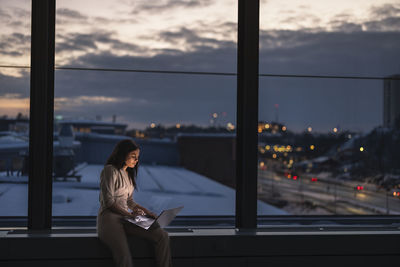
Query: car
x=396, y=193
x=359, y=188
x=291, y=175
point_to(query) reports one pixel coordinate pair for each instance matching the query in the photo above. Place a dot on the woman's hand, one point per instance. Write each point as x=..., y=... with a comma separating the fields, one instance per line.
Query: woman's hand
x=138, y=211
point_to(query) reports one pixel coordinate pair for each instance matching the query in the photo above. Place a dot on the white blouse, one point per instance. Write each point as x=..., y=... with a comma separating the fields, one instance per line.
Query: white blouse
x=115, y=186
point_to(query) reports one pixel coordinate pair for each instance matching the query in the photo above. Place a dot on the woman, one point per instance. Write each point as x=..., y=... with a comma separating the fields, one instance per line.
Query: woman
x=117, y=183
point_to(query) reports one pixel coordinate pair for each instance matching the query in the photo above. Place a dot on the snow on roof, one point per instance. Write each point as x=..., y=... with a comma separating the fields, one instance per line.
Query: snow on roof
x=159, y=187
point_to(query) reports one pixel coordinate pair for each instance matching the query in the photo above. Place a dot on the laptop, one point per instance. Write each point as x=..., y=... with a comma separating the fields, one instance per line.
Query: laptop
x=165, y=218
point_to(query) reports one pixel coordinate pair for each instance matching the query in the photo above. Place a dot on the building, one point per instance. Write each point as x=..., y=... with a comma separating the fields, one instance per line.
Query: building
x=101, y=127
x=391, y=101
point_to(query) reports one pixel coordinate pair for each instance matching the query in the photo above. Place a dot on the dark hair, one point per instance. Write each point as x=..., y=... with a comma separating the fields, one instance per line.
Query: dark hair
x=118, y=157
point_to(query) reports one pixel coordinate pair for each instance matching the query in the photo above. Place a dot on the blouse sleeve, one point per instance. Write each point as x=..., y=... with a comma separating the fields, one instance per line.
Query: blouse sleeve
x=131, y=203
x=107, y=185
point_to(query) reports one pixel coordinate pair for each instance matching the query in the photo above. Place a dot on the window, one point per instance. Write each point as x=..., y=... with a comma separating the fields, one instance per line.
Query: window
x=161, y=73
x=15, y=21
x=325, y=147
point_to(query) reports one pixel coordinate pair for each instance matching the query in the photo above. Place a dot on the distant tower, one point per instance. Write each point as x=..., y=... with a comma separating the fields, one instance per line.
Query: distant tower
x=391, y=101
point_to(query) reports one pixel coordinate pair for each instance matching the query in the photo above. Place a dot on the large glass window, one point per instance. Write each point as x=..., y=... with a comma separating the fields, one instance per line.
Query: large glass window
x=15, y=21
x=116, y=88
x=327, y=146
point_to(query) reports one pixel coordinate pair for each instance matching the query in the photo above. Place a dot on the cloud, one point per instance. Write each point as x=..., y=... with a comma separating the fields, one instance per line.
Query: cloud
x=189, y=39
x=15, y=18
x=385, y=11
x=14, y=94
x=76, y=42
x=298, y=20
x=384, y=25
x=4, y=16
x=14, y=86
x=165, y=6
x=84, y=42
x=340, y=26
x=13, y=39
x=15, y=44
x=104, y=20
x=14, y=105
x=330, y=53
x=11, y=53
x=382, y=18
x=69, y=103
x=69, y=13
x=150, y=97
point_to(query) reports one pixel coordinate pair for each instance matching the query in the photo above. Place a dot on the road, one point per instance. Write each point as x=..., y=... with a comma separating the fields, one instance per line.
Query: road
x=338, y=198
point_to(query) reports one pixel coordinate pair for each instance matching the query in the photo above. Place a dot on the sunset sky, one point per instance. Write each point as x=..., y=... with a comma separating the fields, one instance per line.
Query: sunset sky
x=310, y=37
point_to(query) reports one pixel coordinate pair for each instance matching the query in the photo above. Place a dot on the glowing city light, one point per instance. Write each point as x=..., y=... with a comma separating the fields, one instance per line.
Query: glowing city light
x=335, y=130
x=284, y=128
x=266, y=126
x=361, y=149
x=274, y=156
x=152, y=125
x=312, y=147
x=267, y=147
x=178, y=125
x=309, y=129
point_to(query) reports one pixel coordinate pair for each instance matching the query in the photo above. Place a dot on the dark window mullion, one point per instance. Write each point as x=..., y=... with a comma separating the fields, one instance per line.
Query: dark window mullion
x=247, y=114
x=41, y=114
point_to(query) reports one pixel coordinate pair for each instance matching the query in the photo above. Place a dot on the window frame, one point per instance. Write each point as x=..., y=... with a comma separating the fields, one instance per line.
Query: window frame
x=42, y=111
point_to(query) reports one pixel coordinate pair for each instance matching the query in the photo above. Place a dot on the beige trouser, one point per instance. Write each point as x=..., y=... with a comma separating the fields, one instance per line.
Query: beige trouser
x=113, y=231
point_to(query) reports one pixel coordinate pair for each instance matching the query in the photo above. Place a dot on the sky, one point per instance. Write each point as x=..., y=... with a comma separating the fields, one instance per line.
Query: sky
x=301, y=37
